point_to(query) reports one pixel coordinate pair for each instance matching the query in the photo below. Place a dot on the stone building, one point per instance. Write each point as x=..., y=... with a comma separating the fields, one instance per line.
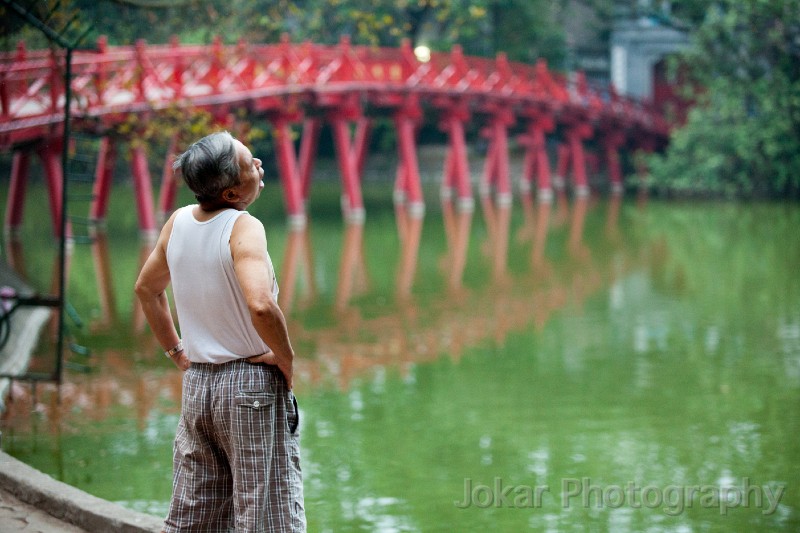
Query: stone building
x=629, y=49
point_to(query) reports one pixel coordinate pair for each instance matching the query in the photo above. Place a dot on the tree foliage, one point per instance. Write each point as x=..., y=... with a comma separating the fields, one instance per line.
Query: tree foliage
x=743, y=136
x=524, y=29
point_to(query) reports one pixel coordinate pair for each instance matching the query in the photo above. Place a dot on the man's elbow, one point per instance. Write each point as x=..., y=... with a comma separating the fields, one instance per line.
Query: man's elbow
x=264, y=309
x=138, y=289
x=143, y=291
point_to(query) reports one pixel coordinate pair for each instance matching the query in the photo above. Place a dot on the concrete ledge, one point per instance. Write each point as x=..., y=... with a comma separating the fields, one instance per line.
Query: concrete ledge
x=69, y=504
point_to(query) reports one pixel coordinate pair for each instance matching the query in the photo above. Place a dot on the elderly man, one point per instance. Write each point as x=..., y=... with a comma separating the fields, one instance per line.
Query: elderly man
x=236, y=456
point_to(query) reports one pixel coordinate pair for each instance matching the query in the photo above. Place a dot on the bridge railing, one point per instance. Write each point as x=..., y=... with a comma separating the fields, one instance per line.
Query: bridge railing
x=120, y=79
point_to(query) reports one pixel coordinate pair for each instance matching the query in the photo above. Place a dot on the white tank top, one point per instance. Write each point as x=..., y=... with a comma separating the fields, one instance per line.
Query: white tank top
x=214, y=321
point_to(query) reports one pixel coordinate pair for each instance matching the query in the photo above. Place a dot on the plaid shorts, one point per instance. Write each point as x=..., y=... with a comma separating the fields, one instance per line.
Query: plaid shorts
x=236, y=456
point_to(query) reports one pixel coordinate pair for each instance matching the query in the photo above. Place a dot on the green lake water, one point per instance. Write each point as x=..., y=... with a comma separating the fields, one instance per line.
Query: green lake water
x=590, y=365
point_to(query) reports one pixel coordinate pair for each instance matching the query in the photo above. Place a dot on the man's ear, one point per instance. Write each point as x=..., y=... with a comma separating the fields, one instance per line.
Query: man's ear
x=230, y=195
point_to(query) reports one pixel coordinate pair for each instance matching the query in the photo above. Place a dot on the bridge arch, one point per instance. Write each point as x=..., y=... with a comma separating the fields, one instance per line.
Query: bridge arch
x=306, y=85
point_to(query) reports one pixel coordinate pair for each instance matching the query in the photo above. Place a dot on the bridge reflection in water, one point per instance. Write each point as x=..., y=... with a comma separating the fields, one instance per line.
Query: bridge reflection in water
x=356, y=340
x=437, y=307
x=575, y=339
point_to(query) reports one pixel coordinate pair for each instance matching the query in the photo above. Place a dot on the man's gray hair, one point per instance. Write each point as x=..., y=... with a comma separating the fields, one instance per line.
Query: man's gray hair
x=209, y=166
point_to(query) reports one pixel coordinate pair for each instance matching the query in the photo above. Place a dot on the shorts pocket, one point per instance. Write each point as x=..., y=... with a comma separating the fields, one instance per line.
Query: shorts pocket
x=293, y=415
x=256, y=401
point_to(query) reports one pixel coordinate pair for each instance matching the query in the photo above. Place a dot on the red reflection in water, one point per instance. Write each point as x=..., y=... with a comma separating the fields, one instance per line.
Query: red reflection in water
x=297, y=267
x=457, y=223
x=355, y=345
x=562, y=207
x=409, y=230
x=116, y=378
x=15, y=257
x=105, y=288
x=495, y=248
x=352, y=270
x=541, y=225
x=576, y=248
x=612, y=218
x=139, y=321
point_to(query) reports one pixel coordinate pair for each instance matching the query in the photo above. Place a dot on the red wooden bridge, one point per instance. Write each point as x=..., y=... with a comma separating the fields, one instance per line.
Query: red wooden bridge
x=291, y=84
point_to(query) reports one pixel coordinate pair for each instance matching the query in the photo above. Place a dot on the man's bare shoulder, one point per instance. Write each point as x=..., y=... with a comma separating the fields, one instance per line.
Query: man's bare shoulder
x=166, y=231
x=247, y=223
x=248, y=234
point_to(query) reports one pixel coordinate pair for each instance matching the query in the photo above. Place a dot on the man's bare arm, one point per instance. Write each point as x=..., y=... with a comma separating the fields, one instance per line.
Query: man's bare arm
x=151, y=290
x=249, y=251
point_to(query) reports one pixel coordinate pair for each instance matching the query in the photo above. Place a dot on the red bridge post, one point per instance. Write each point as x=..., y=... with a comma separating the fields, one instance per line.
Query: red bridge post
x=347, y=155
x=575, y=136
x=407, y=186
x=407, y=117
x=169, y=183
x=571, y=156
x=350, y=153
x=343, y=109
x=495, y=170
x=289, y=171
x=143, y=189
x=613, y=139
x=536, y=161
x=103, y=176
x=50, y=154
x=15, y=203
x=333, y=83
x=456, y=168
x=308, y=150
